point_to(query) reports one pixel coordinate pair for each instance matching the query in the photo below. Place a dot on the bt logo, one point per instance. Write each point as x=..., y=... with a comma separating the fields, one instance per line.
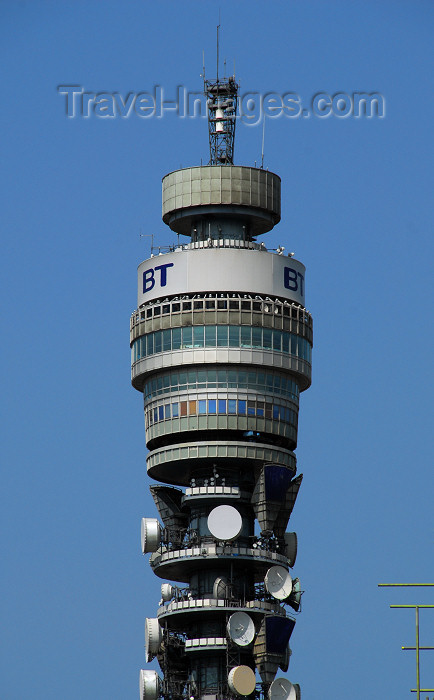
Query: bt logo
x=149, y=277
x=293, y=280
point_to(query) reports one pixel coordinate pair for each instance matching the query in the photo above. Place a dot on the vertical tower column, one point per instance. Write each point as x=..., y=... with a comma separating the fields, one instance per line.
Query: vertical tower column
x=221, y=349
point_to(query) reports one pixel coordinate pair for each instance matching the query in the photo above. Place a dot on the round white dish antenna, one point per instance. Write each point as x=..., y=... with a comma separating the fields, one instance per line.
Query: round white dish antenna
x=225, y=523
x=282, y=689
x=221, y=588
x=167, y=592
x=150, y=535
x=241, y=629
x=149, y=685
x=153, y=637
x=278, y=582
x=241, y=680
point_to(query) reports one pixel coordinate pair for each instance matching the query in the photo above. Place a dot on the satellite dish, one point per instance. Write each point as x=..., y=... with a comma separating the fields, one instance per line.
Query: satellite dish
x=153, y=637
x=291, y=547
x=278, y=582
x=167, y=592
x=241, y=629
x=149, y=685
x=221, y=588
x=282, y=689
x=150, y=535
x=242, y=680
x=225, y=523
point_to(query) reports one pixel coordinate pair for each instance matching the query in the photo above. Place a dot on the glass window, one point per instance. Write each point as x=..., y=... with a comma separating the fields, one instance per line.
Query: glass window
x=256, y=337
x=166, y=381
x=186, y=306
x=202, y=406
x=167, y=410
x=176, y=307
x=285, y=342
x=212, y=408
x=277, y=341
x=191, y=376
x=242, y=408
x=155, y=415
x=182, y=380
x=222, y=336
x=183, y=407
x=201, y=378
x=159, y=383
x=198, y=336
x=251, y=408
x=150, y=344
x=166, y=309
x=221, y=376
x=192, y=408
x=157, y=341
x=211, y=376
x=246, y=337
x=275, y=412
x=232, y=378
x=156, y=310
x=187, y=337
x=167, y=340
x=176, y=338
x=222, y=304
x=222, y=405
x=268, y=409
x=232, y=406
x=260, y=408
x=210, y=334
x=234, y=336
x=175, y=410
x=267, y=338
x=242, y=377
x=160, y=412
x=293, y=344
x=210, y=304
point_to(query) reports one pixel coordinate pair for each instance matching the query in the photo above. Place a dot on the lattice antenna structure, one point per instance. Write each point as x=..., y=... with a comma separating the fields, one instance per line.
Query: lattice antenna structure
x=222, y=103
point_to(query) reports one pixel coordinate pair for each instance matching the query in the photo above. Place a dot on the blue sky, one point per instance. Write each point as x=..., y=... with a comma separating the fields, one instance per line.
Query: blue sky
x=357, y=210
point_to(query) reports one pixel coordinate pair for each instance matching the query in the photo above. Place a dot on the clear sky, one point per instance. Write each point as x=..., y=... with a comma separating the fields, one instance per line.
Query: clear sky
x=357, y=209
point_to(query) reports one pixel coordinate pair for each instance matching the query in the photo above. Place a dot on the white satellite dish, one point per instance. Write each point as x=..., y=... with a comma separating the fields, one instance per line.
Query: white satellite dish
x=282, y=689
x=225, y=523
x=150, y=535
x=242, y=680
x=149, y=685
x=241, y=629
x=278, y=582
x=221, y=588
x=167, y=592
x=153, y=637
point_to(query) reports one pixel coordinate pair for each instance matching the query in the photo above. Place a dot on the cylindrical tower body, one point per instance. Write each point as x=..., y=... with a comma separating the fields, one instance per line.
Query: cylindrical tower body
x=221, y=349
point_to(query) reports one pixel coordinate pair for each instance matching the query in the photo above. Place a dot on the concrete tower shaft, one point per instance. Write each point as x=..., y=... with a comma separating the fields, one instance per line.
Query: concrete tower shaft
x=221, y=349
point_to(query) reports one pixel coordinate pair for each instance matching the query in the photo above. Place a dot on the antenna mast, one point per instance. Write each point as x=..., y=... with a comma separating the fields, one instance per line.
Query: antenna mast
x=222, y=101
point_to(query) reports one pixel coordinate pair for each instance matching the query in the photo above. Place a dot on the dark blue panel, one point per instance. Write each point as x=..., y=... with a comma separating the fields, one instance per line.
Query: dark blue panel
x=277, y=480
x=277, y=633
